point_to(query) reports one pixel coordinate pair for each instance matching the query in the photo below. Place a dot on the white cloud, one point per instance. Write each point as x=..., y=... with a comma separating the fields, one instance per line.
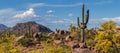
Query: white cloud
x=50, y=15
x=50, y=11
x=103, y=2
x=37, y=4
x=58, y=21
x=115, y=19
x=54, y=5
x=26, y=14
x=70, y=14
x=6, y=11
x=63, y=21
x=6, y=16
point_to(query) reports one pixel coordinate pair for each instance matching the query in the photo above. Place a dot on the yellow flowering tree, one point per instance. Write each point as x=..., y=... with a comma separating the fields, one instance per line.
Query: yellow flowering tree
x=107, y=41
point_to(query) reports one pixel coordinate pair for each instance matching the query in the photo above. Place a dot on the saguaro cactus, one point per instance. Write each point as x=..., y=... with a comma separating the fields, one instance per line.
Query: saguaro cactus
x=83, y=24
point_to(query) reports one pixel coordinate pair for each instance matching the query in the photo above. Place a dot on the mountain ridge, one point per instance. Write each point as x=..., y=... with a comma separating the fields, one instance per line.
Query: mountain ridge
x=3, y=27
x=28, y=26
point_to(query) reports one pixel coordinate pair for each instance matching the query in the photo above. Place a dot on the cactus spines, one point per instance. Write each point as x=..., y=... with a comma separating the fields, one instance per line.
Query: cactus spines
x=83, y=24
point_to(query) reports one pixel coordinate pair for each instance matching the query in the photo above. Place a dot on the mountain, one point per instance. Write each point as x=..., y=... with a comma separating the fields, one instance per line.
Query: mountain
x=3, y=27
x=29, y=26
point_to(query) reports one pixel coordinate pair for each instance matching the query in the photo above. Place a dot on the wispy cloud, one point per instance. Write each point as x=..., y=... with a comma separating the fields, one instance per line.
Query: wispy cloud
x=54, y=5
x=6, y=16
x=63, y=21
x=58, y=21
x=69, y=5
x=115, y=19
x=27, y=14
x=70, y=14
x=6, y=11
x=50, y=15
x=50, y=11
x=103, y=2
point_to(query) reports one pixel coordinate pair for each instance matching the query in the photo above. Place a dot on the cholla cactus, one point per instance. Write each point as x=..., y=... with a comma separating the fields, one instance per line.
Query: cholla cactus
x=83, y=24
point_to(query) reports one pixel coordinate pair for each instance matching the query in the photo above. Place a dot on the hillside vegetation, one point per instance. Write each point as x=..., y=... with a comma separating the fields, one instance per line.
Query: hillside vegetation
x=105, y=40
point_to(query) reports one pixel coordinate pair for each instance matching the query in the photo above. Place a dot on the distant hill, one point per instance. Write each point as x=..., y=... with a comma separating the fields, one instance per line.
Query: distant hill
x=29, y=26
x=3, y=27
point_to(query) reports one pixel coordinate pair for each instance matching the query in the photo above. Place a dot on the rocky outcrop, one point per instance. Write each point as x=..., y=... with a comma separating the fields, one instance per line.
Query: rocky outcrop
x=37, y=36
x=82, y=48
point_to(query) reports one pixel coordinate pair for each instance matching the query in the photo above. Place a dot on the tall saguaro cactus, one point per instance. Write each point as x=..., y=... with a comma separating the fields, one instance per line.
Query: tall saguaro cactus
x=83, y=24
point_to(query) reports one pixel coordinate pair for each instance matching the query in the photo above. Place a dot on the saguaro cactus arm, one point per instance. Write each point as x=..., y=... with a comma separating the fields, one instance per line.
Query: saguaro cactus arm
x=83, y=14
x=87, y=17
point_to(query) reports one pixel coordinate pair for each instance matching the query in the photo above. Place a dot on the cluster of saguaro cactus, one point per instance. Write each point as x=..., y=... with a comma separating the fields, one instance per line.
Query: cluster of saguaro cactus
x=82, y=25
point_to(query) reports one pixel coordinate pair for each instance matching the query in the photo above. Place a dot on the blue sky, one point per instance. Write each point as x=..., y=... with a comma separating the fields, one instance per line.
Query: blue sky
x=58, y=13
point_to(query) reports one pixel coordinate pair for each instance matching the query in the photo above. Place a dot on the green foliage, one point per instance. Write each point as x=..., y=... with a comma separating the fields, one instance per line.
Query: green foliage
x=108, y=25
x=116, y=39
x=90, y=42
x=14, y=51
x=44, y=37
x=52, y=48
x=102, y=42
x=107, y=41
x=75, y=32
x=72, y=28
x=34, y=51
x=24, y=42
x=7, y=43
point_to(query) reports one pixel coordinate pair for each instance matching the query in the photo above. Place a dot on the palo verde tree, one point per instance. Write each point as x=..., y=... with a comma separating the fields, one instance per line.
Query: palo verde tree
x=109, y=25
x=107, y=41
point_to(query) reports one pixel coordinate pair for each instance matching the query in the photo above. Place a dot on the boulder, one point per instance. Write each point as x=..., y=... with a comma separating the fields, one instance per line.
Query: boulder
x=68, y=38
x=57, y=41
x=37, y=36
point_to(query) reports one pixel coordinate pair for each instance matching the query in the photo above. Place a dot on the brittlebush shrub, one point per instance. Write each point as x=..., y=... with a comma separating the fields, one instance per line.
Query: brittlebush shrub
x=116, y=39
x=6, y=44
x=108, y=25
x=107, y=41
x=103, y=44
x=52, y=48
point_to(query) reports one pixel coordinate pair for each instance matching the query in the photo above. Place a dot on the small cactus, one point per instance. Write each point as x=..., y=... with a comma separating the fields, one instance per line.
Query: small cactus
x=83, y=24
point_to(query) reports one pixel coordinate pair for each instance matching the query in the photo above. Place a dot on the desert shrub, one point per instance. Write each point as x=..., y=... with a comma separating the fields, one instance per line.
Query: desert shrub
x=52, y=48
x=44, y=38
x=6, y=45
x=107, y=41
x=72, y=28
x=116, y=39
x=24, y=42
x=14, y=51
x=34, y=51
x=108, y=25
x=90, y=42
